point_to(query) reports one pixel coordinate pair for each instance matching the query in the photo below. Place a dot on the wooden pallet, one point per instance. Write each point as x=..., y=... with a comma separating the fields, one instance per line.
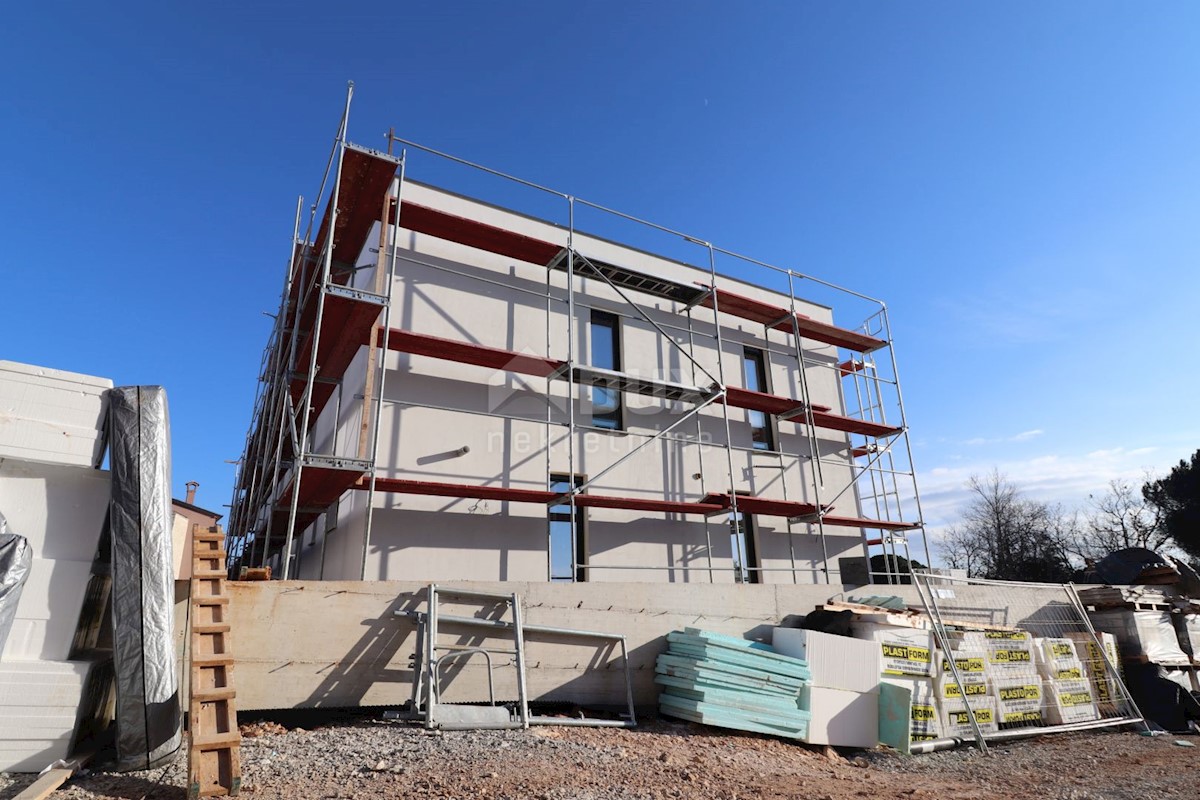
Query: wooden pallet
x=909, y=618
x=214, y=760
x=1130, y=605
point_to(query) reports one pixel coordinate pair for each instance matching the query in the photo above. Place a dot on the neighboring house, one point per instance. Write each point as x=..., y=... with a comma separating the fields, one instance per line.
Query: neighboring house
x=641, y=422
x=187, y=515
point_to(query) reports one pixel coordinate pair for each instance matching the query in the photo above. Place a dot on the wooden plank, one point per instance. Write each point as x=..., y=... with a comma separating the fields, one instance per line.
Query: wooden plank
x=45, y=785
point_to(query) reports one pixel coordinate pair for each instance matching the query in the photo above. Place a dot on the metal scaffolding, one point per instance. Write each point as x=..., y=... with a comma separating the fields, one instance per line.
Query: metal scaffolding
x=285, y=483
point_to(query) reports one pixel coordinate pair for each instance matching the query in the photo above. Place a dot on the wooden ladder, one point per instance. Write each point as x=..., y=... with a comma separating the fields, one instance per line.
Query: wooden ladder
x=214, y=762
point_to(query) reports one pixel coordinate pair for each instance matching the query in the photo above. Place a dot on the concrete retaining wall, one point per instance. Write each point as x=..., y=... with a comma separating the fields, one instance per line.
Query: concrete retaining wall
x=317, y=644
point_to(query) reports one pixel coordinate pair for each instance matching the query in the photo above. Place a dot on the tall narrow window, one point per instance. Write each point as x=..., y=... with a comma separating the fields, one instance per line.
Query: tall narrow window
x=568, y=551
x=754, y=370
x=606, y=354
x=745, y=551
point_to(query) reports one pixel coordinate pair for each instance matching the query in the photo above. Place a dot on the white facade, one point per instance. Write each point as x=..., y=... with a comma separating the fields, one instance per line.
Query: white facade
x=501, y=436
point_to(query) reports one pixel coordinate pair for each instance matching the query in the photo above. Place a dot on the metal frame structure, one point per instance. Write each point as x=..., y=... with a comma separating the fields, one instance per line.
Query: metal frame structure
x=1066, y=615
x=426, y=693
x=284, y=484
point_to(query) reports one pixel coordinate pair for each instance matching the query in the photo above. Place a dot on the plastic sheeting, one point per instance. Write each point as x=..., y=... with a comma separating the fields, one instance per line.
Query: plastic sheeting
x=16, y=557
x=1141, y=633
x=148, y=713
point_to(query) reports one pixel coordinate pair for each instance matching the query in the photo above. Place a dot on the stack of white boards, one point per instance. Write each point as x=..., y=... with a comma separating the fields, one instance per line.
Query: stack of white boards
x=734, y=683
x=51, y=441
x=51, y=416
x=908, y=710
x=843, y=693
x=1069, y=691
x=39, y=711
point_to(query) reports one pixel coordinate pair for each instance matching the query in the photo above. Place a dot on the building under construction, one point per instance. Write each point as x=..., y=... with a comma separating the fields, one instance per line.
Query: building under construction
x=456, y=390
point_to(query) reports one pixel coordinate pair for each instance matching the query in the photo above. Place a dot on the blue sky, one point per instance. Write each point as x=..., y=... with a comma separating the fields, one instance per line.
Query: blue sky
x=1017, y=180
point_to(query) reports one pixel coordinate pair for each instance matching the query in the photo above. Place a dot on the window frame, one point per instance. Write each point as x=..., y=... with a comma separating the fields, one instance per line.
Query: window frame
x=770, y=438
x=613, y=420
x=751, y=567
x=559, y=482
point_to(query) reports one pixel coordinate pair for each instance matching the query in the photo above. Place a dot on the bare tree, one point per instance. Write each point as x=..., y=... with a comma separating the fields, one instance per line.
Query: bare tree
x=1006, y=536
x=1120, y=518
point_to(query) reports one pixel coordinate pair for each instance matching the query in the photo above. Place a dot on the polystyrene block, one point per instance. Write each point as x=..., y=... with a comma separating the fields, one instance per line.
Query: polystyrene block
x=48, y=611
x=50, y=415
x=842, y=718
x=39, y=711
x=60, y=510
x=836, y=662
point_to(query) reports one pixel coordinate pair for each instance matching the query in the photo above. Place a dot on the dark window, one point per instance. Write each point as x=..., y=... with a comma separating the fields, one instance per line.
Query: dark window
x=606, y=354
x=567, y=551
x=745, y=553
x=755, y=373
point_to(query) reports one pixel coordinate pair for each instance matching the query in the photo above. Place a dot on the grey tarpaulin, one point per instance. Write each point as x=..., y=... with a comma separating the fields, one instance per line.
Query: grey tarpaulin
x=16, y=556
x=147, y=713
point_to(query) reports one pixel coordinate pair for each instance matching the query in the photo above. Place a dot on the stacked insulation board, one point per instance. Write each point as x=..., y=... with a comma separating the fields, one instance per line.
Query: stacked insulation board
x=733, y=683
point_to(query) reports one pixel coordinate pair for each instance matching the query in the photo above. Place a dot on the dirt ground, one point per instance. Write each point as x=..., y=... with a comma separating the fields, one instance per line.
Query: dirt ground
x=662, y=758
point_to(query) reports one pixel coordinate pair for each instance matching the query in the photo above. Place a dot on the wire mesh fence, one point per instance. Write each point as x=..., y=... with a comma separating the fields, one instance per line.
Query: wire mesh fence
x=1024, y=660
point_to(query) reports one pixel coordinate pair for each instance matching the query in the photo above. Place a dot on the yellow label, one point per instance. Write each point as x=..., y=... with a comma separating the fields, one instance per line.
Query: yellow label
x=1012, y=636
x=1062, y=650
x=970, y=664
x=908, y=652
x=1030, y=691
x=922, y=737
x=1022, y=716
x=1075, y=699
x=973, y=689
x=924, y=713
x=983, y=716
x=1009, y=656
x=1103, y=692
x=1068, y=674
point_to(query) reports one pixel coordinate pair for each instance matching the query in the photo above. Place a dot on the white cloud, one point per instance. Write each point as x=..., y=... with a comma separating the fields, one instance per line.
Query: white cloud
x=1053, y=478
x=1023, y=436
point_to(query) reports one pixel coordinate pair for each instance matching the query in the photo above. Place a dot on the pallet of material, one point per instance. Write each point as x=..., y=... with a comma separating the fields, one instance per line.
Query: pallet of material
x=906, y=618
x=1127, y=596
x=732, y=683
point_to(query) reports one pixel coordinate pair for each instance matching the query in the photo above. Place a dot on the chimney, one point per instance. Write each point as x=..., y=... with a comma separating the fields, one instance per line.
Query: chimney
x=191, y=487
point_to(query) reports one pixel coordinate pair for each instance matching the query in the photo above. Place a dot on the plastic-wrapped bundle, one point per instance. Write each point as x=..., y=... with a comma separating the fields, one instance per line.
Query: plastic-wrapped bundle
x=147, y=712
x=16, y=556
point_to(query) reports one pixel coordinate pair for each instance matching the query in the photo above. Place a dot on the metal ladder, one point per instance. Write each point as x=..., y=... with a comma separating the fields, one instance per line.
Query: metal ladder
x=426, y=702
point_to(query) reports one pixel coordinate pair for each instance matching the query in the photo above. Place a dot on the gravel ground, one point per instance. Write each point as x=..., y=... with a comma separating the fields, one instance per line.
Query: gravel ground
x=660, y=759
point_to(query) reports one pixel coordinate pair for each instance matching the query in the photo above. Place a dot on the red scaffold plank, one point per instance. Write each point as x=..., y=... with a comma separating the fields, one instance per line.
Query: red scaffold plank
x=851, y=425
x=482, y=236
x=475, y=492
x=749, y=504
x=479, y=235
x=641, y=504
x=364, y=183
x=320, y=487
x=779, y=319
x=407, y=486
x=345, y=326
x=421, y=344
x=862, y=522
x=758, y=401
